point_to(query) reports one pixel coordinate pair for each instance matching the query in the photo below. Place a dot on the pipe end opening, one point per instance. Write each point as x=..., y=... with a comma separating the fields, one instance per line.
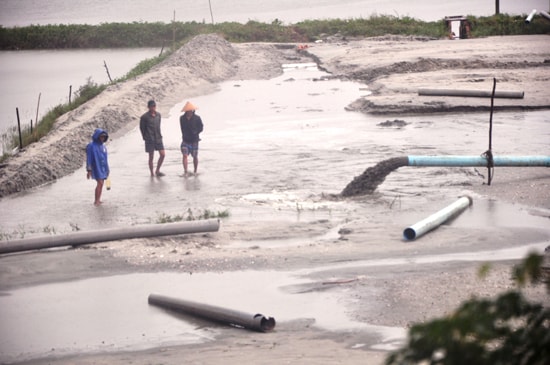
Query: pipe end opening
x=265, y=323
x=268, y=324
x=409, y=234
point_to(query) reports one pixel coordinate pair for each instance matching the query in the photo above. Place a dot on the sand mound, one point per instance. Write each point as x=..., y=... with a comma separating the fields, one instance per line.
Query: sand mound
x=194, y=69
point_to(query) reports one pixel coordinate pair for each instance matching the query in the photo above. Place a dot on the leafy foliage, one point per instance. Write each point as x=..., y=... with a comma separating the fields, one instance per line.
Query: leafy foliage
x=141, y=34
x=506, y=330
x=504, y=24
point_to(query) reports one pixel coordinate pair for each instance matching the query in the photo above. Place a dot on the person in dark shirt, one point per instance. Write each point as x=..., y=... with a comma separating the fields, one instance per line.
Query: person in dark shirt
x=191, y=126
x=149, y=124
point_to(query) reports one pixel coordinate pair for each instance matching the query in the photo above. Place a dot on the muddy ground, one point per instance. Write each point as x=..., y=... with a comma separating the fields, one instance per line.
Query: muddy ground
x=391, y=66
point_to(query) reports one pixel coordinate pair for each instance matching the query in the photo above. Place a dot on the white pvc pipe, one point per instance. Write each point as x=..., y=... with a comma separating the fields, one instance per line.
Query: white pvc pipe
x=436, y=219
x=113, y=234
x=530, y=16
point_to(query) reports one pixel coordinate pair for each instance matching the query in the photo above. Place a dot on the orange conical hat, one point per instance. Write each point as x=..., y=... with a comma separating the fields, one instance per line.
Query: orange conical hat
x=188, y=107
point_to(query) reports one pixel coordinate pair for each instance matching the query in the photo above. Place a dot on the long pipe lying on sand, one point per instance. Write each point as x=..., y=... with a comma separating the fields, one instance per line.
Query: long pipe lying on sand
x=257, y=322
x=436, y=219
x=472, y=93
x=113, y=234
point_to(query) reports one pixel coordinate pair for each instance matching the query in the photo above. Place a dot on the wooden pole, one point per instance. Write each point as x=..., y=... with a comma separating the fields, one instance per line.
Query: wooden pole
x=107, y=68
x=174, y=32
x=38, y=107
x=70, y=92
x=211, y=14
x=497, y=7
x=19, y=128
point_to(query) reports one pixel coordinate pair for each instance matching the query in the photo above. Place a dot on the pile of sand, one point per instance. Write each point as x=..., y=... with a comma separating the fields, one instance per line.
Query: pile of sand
x=394, y=67
x=194, y=69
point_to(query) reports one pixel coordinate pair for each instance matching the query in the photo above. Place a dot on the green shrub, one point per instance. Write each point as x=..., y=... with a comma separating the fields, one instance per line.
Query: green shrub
x=140, y=34
x=506, y=330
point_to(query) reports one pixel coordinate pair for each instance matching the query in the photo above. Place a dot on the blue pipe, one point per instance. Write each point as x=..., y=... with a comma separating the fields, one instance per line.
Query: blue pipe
x=436, y=219
x=463, y=161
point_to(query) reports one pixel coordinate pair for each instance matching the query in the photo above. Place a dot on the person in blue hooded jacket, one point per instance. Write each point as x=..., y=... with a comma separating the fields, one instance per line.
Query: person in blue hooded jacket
x=97, y=165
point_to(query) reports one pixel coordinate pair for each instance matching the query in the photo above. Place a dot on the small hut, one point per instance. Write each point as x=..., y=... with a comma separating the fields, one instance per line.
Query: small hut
x=458, y=27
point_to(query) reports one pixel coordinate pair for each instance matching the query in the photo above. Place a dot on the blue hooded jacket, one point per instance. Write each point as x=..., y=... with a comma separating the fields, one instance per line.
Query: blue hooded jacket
x=96, y=156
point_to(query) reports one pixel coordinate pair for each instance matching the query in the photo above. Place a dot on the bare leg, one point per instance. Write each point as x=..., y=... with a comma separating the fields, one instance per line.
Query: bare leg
x=98, y=191
x=184, y=161
x=195, y=164
x=160, y=161
x=151, y=156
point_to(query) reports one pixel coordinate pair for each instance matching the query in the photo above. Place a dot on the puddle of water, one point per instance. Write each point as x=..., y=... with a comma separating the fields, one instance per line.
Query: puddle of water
x=329, y=236
x=112, y=313
x=513, y=253
x=492, y=213
x=270, y=150
x=482, y=214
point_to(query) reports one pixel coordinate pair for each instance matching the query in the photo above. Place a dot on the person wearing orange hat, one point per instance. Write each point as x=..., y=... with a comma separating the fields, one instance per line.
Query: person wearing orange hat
x=191, y=126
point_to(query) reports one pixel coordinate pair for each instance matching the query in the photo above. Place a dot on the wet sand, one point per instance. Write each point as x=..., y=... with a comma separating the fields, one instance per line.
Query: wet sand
x=395, y=295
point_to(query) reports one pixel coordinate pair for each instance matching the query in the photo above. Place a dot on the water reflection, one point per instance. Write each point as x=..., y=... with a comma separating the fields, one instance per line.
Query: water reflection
x=192, y=183
x=112, y=313
x=40, y=80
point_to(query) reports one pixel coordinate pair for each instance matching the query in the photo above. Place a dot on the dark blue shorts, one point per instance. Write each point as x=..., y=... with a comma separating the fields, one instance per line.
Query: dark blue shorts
x=152, y=146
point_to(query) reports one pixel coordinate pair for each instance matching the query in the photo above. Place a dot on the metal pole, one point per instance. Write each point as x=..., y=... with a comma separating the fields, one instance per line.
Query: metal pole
x=257, y=322
x=472, y=93
x=489, y=152
x=113, y=234
x=436, y=219
x=473, y=161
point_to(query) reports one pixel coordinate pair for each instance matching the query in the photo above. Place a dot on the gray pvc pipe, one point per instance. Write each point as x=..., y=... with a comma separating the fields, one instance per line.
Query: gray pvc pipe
x=436, y=219
x=257, y=322
x=80, y=238
x=472, y=93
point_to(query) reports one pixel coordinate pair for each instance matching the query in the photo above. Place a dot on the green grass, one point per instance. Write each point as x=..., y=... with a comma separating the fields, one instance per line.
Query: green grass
x=170, y=35
x=191, y=216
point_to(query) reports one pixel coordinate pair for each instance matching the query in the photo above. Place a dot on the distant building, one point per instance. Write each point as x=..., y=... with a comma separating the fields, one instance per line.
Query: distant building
x=458, y=27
